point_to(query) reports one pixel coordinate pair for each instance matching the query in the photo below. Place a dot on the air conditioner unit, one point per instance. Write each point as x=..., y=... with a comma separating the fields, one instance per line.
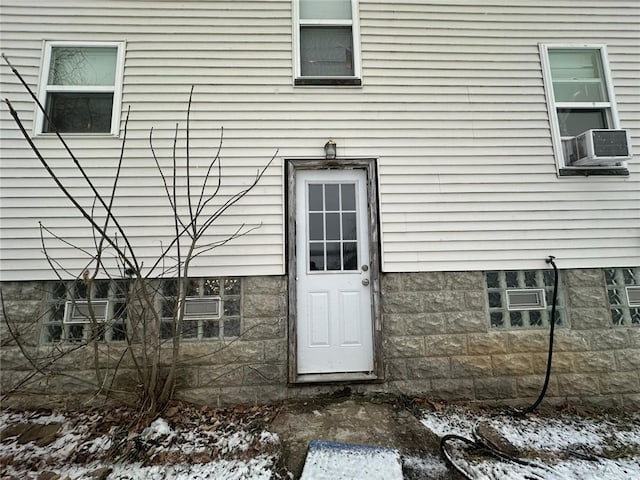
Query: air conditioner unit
x=601, y=147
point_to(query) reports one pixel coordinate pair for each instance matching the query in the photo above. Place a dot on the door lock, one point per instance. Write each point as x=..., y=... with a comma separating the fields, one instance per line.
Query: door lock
x=365, y=268
x=365, y=282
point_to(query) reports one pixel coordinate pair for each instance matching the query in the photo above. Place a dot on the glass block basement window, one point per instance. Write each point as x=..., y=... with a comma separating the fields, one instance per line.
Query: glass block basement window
x=617, y=281
x=66, y=318
x=207, y=326
x=499, y=282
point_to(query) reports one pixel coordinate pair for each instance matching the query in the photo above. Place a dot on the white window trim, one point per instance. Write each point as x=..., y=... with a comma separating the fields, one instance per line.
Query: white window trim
x=552, y=106
x=116, y=89
x=355, y=32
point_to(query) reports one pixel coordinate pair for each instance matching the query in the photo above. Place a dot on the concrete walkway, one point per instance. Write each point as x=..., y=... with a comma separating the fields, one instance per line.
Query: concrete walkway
x=350, y=421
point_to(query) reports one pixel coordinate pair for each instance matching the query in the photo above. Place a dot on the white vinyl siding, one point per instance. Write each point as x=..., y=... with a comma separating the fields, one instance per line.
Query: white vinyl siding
x=453, y=106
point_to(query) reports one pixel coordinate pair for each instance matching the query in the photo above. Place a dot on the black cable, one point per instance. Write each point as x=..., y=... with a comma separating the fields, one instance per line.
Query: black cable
x=535, y=404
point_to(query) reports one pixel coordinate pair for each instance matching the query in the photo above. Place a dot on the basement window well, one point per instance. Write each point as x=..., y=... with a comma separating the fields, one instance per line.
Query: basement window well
x=523, y=299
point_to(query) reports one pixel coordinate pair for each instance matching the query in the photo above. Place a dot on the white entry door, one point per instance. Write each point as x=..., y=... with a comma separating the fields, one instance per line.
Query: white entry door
x=334, y=319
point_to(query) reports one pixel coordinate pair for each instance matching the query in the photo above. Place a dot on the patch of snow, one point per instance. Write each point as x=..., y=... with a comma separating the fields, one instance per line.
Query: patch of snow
x=269, y=438
x=338, y=461
x=158, y=428
x=550, y=444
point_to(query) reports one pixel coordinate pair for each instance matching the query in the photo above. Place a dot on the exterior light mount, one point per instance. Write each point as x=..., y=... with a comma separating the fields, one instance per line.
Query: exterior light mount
x=330, y=150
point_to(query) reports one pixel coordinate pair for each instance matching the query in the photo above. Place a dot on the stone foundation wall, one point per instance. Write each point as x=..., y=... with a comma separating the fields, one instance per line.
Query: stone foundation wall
x=438, y=343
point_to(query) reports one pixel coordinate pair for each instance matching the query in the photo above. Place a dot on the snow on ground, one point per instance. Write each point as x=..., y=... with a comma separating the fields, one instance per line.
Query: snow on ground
x=341, y=461
x=195, y=443
x=559, y=446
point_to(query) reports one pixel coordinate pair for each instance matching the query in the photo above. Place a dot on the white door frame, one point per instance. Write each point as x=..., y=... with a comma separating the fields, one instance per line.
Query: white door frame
x=368, y=166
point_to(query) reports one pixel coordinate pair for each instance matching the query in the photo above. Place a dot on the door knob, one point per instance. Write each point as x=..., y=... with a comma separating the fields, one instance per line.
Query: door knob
x=365, y=282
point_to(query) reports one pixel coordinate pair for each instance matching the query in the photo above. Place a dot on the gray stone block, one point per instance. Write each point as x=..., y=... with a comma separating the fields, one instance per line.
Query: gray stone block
x=270, y=285
x=471, y=366
x=580, y=278
x=566, y=340
x=265, y=374
x=620, y=382
x=609, y=339
x=432, y=367
x=440, y=345
x=403, y=347
x=263, y=328
x=487, y=343
x=259, y=305
x=587, y=297
x=405, y=324
x=528, y=341
x=531, y=385
x=498, y=388
x=466, y=322
x=628, y=359
x=464, y=281
x=591, y=318
x=422, y=281
x=578, y=384
x=589, y=362
x=512, y=364
x=275, y=351
x=403, y=302
x=455, y=389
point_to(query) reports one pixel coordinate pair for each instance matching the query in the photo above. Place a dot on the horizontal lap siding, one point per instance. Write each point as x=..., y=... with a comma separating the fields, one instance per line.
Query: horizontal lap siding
x=479, y=189
x=452, y=105
x=221, y=48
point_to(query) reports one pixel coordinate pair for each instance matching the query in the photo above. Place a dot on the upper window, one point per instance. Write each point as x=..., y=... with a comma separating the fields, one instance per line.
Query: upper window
x=80, y=87
x=326, y=42
x=582, y=105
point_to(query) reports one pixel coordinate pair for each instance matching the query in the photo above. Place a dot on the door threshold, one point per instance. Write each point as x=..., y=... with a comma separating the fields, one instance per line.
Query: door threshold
x=335, y=377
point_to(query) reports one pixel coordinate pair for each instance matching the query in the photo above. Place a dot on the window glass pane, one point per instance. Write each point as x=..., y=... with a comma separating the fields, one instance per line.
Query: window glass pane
x=578, y=75
x=326, y=51
x=574, y=121
x=333, y=256
x=349, y=226
x=316, y=256
x=79, y=112
x=325, y=9
x=331, y=199
x=83, y=66
x=577, y=91
x=348, y=196
x=333, y=226
x=316, y=227
x=350, y=255
x=315, y=198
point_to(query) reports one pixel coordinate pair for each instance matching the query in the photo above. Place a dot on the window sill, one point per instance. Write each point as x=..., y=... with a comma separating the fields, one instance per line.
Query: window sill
x=593, y=172
x=335, y=82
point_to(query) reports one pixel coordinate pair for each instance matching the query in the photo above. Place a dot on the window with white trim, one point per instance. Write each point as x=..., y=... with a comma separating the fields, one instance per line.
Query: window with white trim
x=81, y=87
x=326, y=42
x=580, y=98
